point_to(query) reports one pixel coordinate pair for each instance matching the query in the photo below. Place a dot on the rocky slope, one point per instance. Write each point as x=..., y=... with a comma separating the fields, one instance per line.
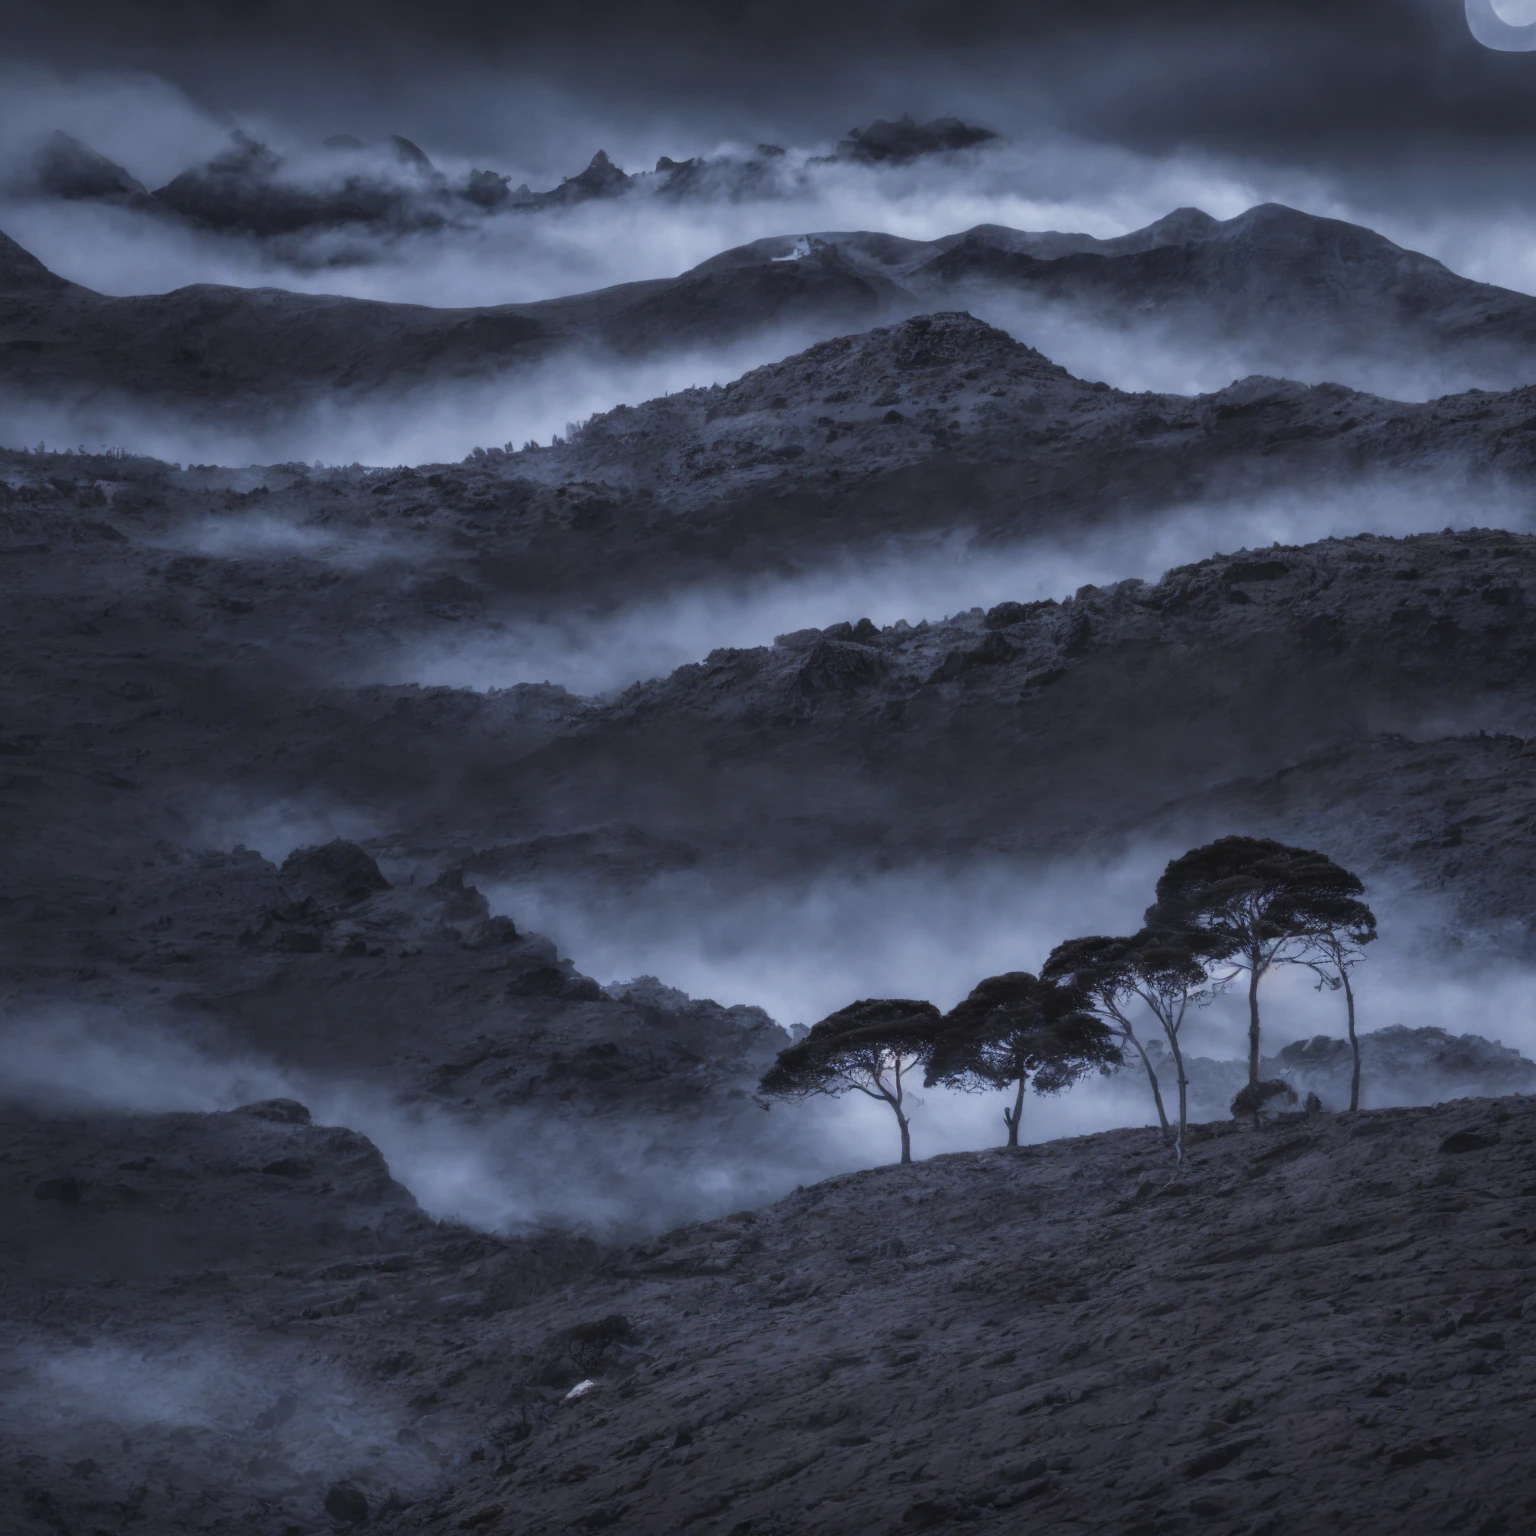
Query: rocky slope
x=835, y=747
x=184, y=974
x=936, y=427
x=1039, y=708
x=1322, y=1326
x=210, y=622
x=153, y=697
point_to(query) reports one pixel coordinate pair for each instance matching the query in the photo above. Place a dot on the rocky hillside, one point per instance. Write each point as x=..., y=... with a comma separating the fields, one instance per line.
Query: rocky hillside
x=1323, y=1325
x=888, y=441
x=1361, y=650
x=209, y=623
x=1345, y=302
x=184, y=650
x=144, y=974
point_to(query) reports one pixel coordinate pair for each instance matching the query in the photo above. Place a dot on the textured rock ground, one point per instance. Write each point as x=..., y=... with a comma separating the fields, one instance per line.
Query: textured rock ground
x=1321, y=1326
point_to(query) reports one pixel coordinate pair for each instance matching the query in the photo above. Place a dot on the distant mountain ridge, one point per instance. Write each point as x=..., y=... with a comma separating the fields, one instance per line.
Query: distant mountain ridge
x=393, y=186
x=1286, y=293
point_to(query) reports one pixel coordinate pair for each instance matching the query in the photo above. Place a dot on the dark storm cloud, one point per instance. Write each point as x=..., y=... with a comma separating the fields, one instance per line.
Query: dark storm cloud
x=1269, y=76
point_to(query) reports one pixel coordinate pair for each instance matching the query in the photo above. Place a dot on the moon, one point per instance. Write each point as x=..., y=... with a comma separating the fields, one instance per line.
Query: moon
x=1508, y=26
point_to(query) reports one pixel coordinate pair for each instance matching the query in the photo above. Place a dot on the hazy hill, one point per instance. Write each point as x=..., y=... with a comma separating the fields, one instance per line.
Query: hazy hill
x=1289, y=292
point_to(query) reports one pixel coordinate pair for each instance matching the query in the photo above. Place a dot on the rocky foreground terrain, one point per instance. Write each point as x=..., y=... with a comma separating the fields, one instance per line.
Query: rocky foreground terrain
x=238, y=1323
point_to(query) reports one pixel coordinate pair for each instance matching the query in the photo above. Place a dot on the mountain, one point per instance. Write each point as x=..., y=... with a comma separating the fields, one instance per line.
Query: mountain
x=209, y=350
x=1334, y=292
x=1314, y=297
x=392, y=188
x=63, y=167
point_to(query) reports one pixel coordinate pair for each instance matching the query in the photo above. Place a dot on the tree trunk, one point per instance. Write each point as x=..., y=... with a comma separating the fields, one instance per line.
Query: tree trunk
x=1354, y=1040
x=901, y=1119
x=1013, y=1120
x=1157, y=1092
x=1178, y=1064
x=1254, y=962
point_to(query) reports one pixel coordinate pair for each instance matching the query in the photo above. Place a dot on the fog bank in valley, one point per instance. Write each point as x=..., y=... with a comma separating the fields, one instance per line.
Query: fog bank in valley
x=650, y=637
x=802, y=950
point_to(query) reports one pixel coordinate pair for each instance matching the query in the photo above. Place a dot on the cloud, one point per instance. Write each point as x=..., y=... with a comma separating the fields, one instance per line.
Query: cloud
x=1267, y=74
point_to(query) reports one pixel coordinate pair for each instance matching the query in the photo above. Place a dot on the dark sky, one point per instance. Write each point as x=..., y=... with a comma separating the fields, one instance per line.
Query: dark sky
x=1288, y=79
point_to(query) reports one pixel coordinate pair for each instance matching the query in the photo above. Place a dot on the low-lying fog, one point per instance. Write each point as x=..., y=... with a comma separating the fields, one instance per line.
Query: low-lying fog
x=536, y=402
x=804, y=950
x=436, y=425
x=527, y=1168
x=800, y=951
x=596, y=654
x=1182, y=355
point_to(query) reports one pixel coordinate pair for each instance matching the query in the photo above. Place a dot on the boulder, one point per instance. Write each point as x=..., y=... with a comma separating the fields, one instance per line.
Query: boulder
x=334, y=874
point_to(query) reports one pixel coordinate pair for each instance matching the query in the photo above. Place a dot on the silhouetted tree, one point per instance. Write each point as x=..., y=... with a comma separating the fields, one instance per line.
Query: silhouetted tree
x=1163, y=968
x=1013, y=1030
x=1250, y=902
x=1332, y=955
x=1095, y=967
x=869, y=1047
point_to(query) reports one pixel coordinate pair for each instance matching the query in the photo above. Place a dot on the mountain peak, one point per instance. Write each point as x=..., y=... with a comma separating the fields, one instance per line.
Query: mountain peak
x=64, y=167
x=21, y=271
